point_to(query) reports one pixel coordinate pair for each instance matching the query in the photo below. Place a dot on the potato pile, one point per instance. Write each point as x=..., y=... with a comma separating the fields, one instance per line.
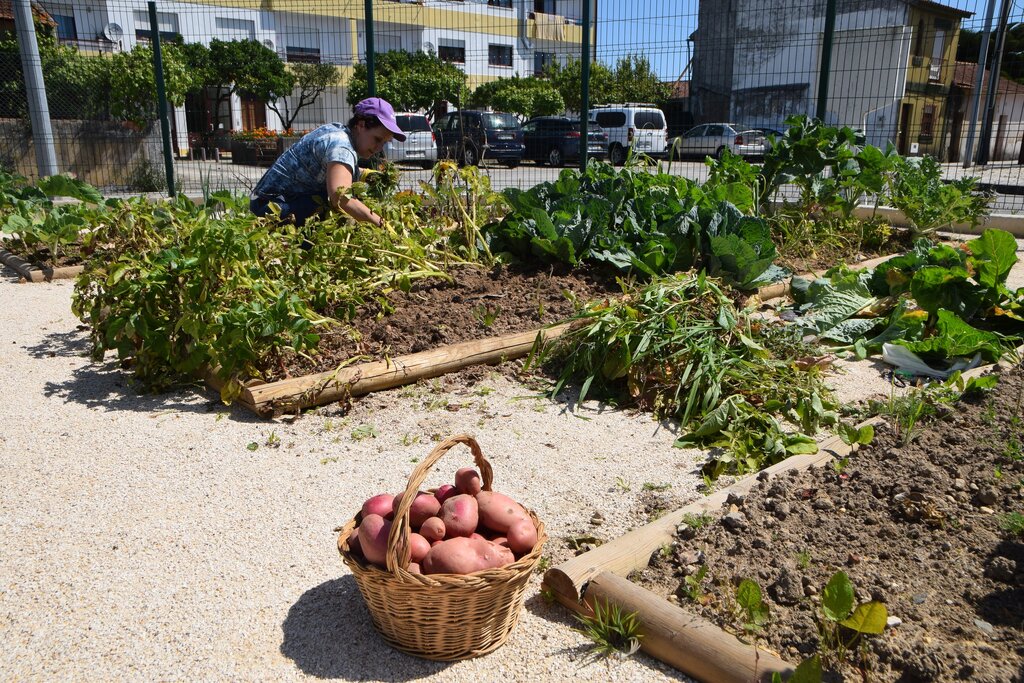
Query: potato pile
x=458, y=529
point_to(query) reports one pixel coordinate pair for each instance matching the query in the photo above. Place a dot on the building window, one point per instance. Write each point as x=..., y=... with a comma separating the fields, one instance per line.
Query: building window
x=452, y=51
x=500, y=3
x=919, y=40
x=541, y=60
x=303, y=55
x=66, y=29
x=499, y=55
x=927, y=120
x=167, y=24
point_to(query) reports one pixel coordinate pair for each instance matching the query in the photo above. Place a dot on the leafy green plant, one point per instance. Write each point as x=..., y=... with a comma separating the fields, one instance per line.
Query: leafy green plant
x=839, y=611
x=803, y=559
x=692, y=585
x=1013, y=524
x=916, y=188
x=753, y=611
x=695, y=521
x=807, y=671
x=851, y=434
x=364, y=431
x=486, y=315
x=613, y=631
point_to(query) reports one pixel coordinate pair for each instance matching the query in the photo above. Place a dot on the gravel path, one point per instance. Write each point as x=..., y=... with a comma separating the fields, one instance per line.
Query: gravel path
x=144, y=540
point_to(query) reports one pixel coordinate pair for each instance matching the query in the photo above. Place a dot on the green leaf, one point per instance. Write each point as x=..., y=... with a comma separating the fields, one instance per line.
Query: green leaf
x=65, y=186
x=852, y=435
x=868, y=618
x=837, y=598
x=808, y=671
x=995, y=253
x=953, y=337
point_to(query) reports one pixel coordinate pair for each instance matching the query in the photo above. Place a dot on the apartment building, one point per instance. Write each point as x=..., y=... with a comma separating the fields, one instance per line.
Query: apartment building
x=488, y=39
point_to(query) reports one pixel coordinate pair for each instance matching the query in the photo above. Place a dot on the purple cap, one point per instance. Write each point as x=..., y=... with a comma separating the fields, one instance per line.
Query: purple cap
x=384, y=112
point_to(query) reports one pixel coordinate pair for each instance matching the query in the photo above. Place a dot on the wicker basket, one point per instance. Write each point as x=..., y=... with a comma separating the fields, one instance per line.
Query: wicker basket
x=440, y=616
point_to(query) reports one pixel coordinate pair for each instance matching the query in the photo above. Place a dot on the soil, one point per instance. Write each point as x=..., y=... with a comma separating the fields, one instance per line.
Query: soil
x=919, y=527
x=477, y=304
x=70, y=255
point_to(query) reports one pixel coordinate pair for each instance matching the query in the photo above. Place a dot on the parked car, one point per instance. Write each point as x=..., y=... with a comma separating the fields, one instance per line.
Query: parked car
x=420, y=146
x=556, y=140
x=712, y=139
x=471, y=136
x=639, y=128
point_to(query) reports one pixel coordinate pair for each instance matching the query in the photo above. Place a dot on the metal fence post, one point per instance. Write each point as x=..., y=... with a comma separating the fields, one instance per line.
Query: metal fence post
x=826, y=58
x=161, y=96
x=371, y=62
x=585, y=86
x=978, y=81
x=35, y=89
x=993, y=84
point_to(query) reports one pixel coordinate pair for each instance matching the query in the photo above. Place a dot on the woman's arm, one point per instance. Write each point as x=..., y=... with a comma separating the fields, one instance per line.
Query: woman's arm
x=339, y=175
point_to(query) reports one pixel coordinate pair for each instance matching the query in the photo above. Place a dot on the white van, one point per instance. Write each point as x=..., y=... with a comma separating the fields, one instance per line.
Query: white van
x=632, y=126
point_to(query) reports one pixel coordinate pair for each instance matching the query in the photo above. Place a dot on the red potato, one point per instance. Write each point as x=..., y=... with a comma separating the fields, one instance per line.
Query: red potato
x=433, y=529
x=500, y=540
x=467, y=480
x=476, y=535
x=381, y=504
x=423, y=507
x=414, y=568
x=418, y=547
x=522, y=536
x=444, y=492
x=498, y=512
x=460, y=515
x=464, y=556
x=373, y=538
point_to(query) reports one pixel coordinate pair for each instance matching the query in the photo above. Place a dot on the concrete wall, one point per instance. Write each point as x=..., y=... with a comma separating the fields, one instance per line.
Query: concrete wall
x=107, y=155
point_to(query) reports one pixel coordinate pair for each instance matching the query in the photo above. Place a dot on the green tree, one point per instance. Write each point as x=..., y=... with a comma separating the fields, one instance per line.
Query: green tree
x=636, y=82
x=311, y=80
x=247, y=66
x=133, y=83
x=567, y=80
x=410, y=81
x=527, y=97
x=969, y=48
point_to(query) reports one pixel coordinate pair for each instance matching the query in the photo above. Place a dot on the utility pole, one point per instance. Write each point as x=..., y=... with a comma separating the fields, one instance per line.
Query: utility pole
x=161, y=97
x=35, y=89
x=993, y=84
x=979, y=80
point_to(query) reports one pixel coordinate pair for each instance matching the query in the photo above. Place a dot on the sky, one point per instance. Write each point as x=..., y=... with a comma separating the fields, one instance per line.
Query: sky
x=659, y=28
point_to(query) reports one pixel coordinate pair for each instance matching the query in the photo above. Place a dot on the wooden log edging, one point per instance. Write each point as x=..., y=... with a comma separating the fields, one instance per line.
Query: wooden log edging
x=290, y=395
x=31, y=273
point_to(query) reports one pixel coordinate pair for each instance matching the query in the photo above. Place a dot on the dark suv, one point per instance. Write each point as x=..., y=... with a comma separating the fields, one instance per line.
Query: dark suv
x=472, y=136
x=556, y=140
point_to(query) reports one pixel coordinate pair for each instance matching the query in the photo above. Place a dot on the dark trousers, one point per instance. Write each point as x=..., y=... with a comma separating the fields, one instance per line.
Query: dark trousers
x=296, y=208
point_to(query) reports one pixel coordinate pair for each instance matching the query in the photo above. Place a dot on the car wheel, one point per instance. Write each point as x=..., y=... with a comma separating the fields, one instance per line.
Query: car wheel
x=427, y=166
x=720, y=152
x=469, y=156
x=555, y=157
x=617, y=155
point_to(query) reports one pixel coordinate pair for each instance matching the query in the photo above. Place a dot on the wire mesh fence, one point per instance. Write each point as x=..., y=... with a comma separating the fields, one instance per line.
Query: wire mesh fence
x=500, y=83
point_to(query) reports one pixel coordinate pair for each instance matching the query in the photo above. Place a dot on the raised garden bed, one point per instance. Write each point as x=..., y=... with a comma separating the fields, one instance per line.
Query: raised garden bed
x=931, y=529
x=30, y=272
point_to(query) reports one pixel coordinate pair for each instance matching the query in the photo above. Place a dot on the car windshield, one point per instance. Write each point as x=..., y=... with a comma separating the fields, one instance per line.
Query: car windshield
x=500, y=121
x=412, y=124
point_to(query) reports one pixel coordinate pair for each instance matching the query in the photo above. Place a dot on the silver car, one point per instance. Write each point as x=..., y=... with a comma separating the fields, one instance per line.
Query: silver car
x=712, y=139
x=419, y=148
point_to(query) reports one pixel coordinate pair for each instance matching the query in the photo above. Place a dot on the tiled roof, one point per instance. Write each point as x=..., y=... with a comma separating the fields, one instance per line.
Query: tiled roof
x=966, y=73
x=7, y=12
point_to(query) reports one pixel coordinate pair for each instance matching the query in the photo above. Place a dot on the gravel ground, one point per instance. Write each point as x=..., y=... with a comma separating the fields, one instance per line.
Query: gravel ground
x=144, y=540
x=168, y=538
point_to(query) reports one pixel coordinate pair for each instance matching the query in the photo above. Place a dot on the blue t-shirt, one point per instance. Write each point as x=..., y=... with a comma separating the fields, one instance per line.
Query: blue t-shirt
x=302, y=169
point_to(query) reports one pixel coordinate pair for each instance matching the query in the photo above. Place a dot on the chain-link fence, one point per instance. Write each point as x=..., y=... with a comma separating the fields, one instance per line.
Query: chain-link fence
x=500, y=83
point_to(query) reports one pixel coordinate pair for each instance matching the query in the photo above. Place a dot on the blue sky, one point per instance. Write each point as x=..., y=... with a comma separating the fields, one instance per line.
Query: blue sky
x=659, y=28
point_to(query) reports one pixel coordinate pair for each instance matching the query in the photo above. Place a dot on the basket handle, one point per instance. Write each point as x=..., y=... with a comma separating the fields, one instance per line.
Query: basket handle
x=399, y=550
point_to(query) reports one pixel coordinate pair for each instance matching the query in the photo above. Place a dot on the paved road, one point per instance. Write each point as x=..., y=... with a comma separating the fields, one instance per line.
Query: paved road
x=192, y=176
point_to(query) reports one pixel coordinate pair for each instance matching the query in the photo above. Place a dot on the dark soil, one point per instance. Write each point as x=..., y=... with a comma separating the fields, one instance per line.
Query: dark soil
x=70, y=255
x=479, y=303
x=920, y=527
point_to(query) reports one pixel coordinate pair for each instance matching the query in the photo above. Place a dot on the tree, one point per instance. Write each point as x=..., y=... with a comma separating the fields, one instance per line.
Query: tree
x=311, y=80
x=247, y=66
x=410, y=81
x=133, y=83
x=636, y=82
x=568, y=78
x=969, y=49
x=527, y=97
